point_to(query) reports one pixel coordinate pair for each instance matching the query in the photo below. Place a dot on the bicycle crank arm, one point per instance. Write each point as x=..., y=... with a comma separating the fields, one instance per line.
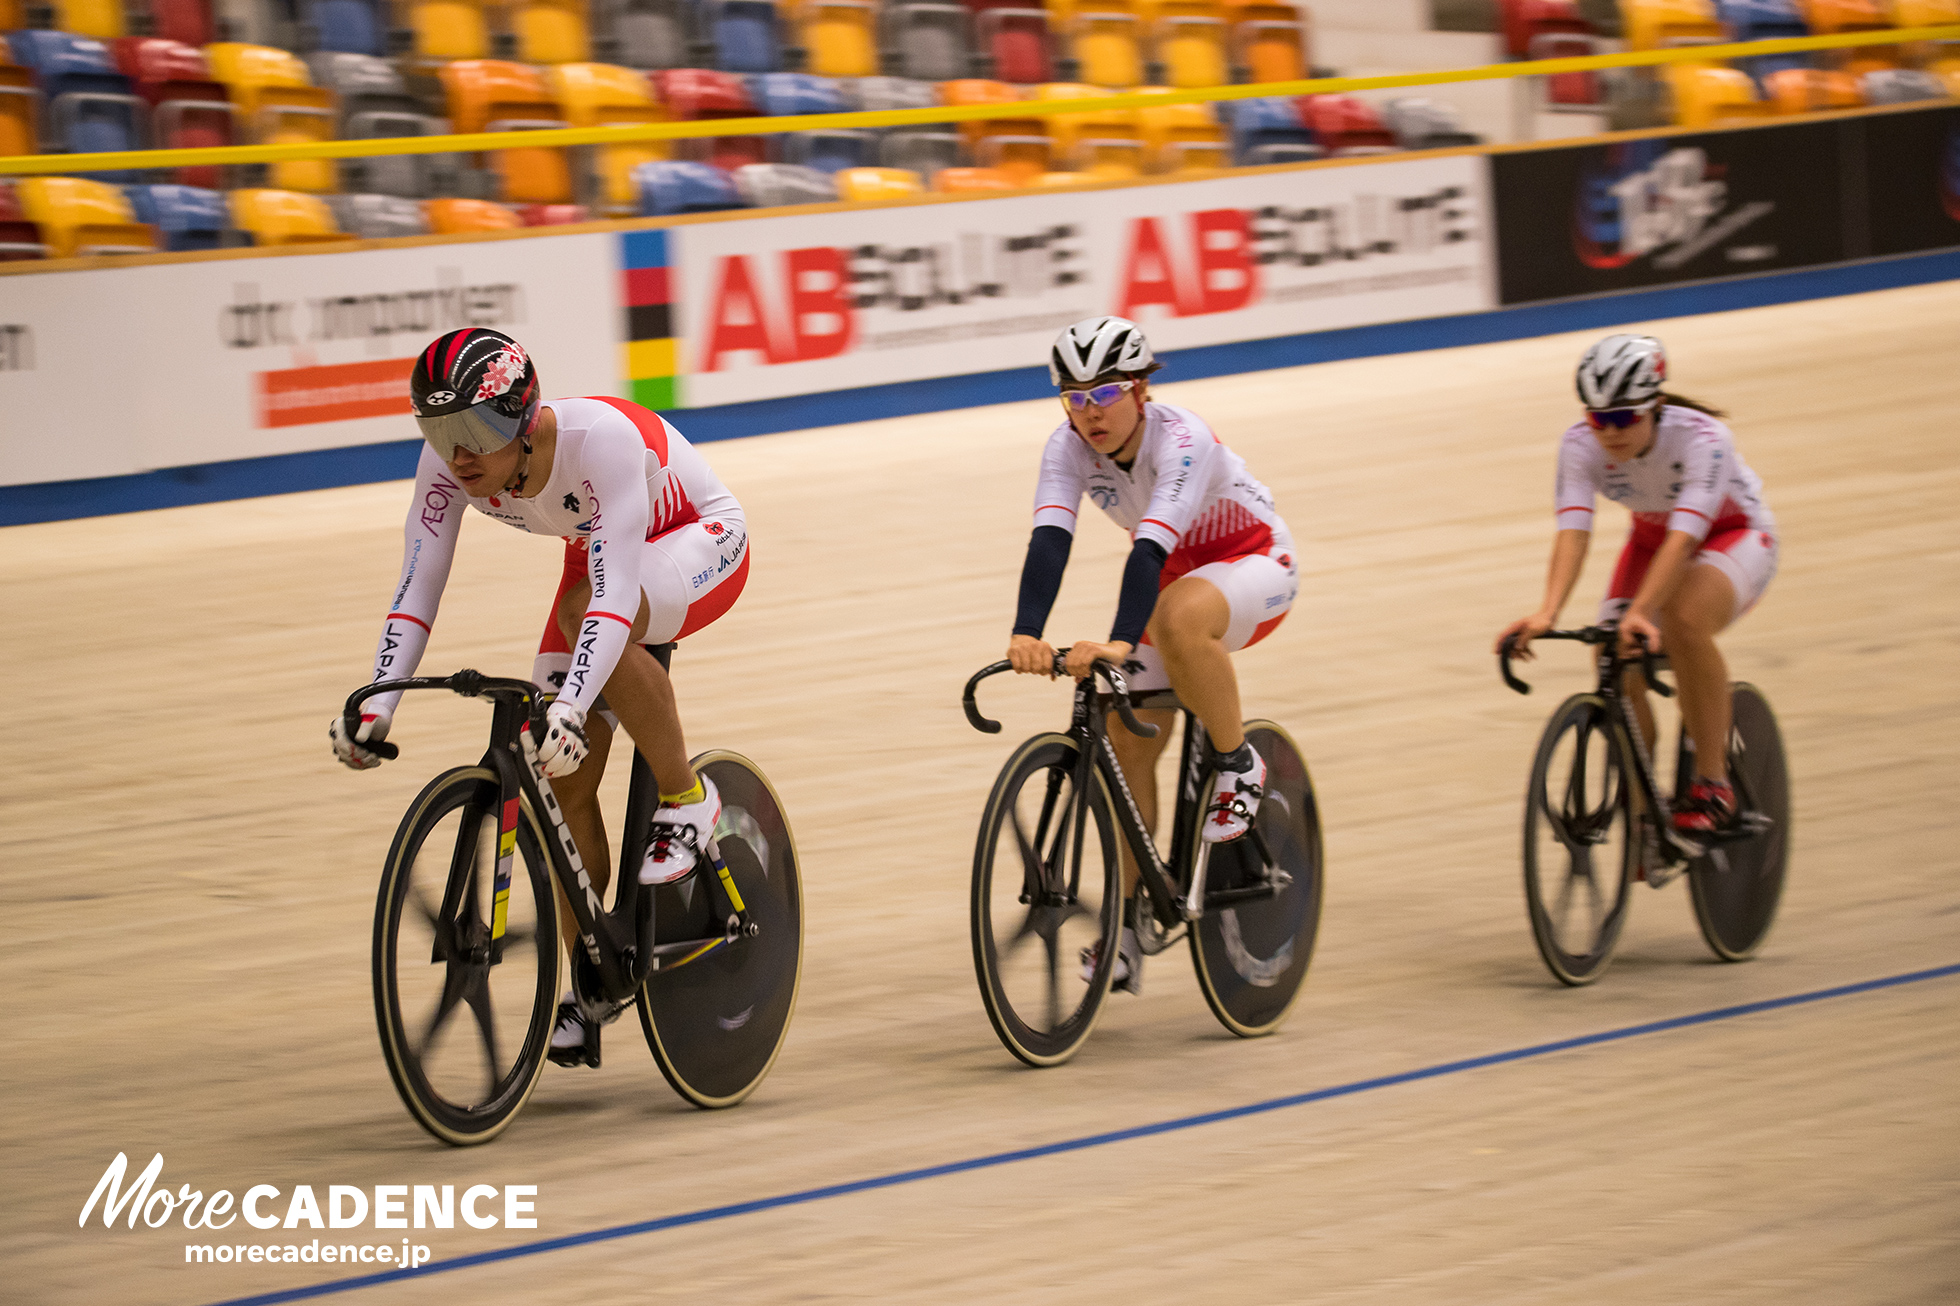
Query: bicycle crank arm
x=1270, y=889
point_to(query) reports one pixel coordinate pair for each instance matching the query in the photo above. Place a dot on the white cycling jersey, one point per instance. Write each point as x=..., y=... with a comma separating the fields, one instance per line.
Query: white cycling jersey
x=1690, y=479
x=620, y=476
x=1186, y=490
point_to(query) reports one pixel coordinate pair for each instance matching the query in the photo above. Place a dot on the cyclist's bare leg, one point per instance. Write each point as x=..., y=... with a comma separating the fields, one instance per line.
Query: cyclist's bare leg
x=1188, y=628
x=1138, y=758
x=1701, y=606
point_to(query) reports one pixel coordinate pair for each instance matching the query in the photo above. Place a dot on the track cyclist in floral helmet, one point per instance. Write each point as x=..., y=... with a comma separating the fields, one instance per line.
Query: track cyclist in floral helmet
x=655, y=549
x=1702, y=552
x=1211, y=570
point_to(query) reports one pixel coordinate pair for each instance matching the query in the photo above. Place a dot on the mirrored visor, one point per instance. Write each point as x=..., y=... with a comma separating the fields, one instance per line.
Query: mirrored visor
x=481, y=430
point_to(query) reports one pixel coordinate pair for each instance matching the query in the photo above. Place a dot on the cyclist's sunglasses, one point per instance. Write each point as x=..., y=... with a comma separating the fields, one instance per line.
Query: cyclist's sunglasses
x=1616, y=418
x=1101, y=396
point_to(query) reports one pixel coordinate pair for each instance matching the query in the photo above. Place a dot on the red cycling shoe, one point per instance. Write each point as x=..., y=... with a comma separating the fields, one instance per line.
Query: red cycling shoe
x=1709, y=808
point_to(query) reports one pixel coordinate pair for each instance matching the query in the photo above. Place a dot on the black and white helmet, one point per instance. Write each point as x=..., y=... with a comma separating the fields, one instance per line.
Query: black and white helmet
x=1097, y=346
x=1622, y=372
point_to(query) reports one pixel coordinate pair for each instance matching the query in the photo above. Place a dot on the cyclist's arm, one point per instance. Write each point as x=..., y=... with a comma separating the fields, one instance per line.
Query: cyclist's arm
x=613, y=474
x=1057, y=495
x=435, y=517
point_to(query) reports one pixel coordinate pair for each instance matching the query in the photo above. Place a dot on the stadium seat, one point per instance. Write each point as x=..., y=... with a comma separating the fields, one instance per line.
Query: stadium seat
x=1764, y=20
x=1270, y=131
x=550, y=31
x=1522, y=20
x=1344, y=126
x=1190, y=45
x=928, y=39
x=1107, y=46
x=86, y=104
x=102, y=20
x=924, y=150
x=1704, y=96
x=646, y=34
x=1930, y=55
x=189, y=21
x=20, y=238
x=184, y=217
x=1655, y=24
x=694, y=93
x=79, y=217
x=376, y=217
x=1425, y=124
x=352, y=26
x=1182, y=138
x=552, y=215
x=278, y=104
x=1828, y=17
x=1271, y=42
x=783, y=94
x=375, y=104
x=1020, y=147
x=188, y=109
x=1901, y=86
x=775, y=185
x=449, y=217
x=952, y=180
x=839, y=37
x=861, y=185
x=1105, y=142
x=282, y=217
x=1810, y=90
x=19, y=103
x=684, y=186
x=496, y=95
x=742, y=36
x=598, y=95
x=869, y=93
x=1014, y=45
x=441, y=30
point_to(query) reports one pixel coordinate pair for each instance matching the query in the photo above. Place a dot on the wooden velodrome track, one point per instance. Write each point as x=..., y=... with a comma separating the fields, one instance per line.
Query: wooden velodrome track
x=188, y=881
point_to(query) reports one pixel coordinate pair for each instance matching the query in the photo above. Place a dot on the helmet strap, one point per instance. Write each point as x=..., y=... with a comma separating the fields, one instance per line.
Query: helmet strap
x=516, y=485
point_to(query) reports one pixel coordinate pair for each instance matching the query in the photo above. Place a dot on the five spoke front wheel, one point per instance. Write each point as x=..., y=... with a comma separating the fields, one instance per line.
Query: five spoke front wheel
x=1581, y=844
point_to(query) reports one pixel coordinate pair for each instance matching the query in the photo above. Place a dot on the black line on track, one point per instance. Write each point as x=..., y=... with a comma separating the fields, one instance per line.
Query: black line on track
x=988, y=1162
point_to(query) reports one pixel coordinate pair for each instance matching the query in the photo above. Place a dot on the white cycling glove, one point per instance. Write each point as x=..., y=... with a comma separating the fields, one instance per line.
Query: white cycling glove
x=565, y=744
x=374, y=729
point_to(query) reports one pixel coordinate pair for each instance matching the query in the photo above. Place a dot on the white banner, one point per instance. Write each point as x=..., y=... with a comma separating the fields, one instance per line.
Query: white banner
x=116, y=370
x=794, y=305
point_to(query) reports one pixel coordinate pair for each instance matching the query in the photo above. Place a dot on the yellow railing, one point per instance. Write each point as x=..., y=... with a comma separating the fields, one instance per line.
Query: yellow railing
x=21, y=164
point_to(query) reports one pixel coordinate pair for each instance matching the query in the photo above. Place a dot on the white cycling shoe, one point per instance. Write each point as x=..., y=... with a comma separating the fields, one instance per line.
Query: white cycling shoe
x=1129, y=963
x=1235, y=798
x=680, y=836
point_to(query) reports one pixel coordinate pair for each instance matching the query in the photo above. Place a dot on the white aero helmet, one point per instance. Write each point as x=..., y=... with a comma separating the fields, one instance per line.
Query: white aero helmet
x=1622, y=372
x=1096, y=346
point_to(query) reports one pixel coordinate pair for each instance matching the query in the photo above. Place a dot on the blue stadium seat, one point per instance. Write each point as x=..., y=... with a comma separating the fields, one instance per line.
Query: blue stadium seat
x=669, y=188
x=744, y=34
x=89, y=106
x=1765, y=20
x=785, y=94
x=352, y=26
x=1269, y=131
x=186, y=217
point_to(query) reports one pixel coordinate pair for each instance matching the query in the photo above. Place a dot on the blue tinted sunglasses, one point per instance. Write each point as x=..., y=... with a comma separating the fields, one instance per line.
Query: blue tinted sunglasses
x=1617, y=418
x=1101, y=396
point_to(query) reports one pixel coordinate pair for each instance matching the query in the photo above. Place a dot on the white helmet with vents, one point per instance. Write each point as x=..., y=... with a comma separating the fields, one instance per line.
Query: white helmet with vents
x=1622, y=372
x=1097, y=346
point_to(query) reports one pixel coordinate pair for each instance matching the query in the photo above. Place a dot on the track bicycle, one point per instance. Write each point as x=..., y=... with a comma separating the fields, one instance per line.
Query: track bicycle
x=466, y=920
x=1595, y=819
x=1047, y=897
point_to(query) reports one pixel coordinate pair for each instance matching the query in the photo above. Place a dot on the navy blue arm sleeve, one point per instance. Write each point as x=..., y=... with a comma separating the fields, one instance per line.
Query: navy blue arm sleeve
x=1139, y=597
x=1041, y=578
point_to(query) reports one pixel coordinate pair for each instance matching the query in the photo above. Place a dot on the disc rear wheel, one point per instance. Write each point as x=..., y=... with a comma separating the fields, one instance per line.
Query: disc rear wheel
x=1736, y=892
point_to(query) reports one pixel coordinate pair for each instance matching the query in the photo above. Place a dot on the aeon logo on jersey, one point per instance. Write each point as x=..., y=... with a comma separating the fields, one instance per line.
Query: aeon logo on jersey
x=1644, y=199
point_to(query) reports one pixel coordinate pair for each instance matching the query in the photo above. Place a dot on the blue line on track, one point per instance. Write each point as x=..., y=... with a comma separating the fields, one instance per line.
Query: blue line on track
x=809, y=1195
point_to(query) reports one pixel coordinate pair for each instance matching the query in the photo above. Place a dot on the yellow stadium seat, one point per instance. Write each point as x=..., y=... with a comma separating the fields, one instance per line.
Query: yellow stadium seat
x=1182, y=138
x=283, y=217
x=447, y=217
x=550, y=31
x=1272, y=48
x=449, y=29
x=278, y=105
x=1062, y=179
x=1189, y=39
x=600, y=95
x=1828, y=17
x=13, y=17
x=101, y=19
x=1655, y=24
x=1107, y=48
x=17, y=103
x=967, y=179
x=80, y=217
x=1811, y=90
x=1705, y=96
x=977, y=90
x=860, y=184
x=494, y=95
x=840, y=37
x=1106, y=142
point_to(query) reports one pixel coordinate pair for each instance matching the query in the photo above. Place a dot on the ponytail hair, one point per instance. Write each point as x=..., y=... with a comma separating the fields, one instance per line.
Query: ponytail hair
x=1682, y=401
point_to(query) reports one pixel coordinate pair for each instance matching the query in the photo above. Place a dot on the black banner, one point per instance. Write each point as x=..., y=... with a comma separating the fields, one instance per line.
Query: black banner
x=1912, y=180
x=1661, y=210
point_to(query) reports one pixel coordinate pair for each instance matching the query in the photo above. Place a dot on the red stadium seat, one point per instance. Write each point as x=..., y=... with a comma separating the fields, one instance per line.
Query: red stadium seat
x=188, y=108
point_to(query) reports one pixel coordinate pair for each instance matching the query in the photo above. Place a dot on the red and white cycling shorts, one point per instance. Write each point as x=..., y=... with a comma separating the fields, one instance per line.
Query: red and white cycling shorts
x=1746, y=557
x=1258, y=587
x=689, y=576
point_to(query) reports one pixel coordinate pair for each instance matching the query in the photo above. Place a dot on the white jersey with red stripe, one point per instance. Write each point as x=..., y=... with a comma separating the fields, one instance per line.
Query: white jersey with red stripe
x=1691, y=479
x=1185, y=490
x=620, y=476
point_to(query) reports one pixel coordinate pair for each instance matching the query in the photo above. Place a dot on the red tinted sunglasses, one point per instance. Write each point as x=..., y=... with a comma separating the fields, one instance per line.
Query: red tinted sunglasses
x=1616, y=418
